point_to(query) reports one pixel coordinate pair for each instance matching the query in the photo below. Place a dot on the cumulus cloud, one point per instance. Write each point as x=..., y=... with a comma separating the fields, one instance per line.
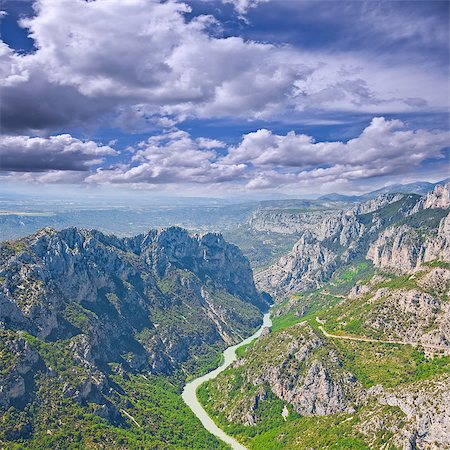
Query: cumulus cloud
x=143, y=56
x=383, y=145
x=261, y=160
x=146, y=64
x=173, y=158
x=57, y=153
x=264, y=160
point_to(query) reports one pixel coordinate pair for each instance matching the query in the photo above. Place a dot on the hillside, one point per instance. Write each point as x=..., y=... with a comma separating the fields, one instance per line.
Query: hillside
x=99, y=334
x=350, y=370
x=361, y=361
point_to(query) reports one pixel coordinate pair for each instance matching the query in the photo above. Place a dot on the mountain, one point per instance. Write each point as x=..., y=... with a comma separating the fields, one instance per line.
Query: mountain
x=96, y=328
x=334, y=197
x=359, y=352
x=339, y=238
x=418, y=187
x=98, y=334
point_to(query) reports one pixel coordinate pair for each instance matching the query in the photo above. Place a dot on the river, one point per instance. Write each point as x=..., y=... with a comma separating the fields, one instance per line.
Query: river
x=190, y=390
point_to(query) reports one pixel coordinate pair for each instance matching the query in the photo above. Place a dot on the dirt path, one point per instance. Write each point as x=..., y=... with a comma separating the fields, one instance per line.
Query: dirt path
x=131, y=418
x=377, y=341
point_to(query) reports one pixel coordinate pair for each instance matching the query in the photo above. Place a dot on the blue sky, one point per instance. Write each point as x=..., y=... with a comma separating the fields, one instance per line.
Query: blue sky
x=230, y=97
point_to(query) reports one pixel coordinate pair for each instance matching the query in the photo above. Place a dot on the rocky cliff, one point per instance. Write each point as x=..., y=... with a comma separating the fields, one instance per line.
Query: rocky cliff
x=438, y=198
x=359, y=354
x=394, y=231
x=149, y=303
x=338, y=239
x=297, y=368
x=402, y=248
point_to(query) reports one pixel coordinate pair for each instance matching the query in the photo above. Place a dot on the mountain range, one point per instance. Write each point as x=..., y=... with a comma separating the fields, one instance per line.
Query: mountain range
x=99, y=333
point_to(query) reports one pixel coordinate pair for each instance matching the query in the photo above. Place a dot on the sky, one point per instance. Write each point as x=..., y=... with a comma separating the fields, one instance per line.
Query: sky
x=223, y=97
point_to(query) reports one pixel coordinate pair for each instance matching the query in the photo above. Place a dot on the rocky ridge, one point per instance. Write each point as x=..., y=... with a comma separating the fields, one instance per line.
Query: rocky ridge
x=405, y=247
x=148, y=303
x=298, y=369
x=339, y=239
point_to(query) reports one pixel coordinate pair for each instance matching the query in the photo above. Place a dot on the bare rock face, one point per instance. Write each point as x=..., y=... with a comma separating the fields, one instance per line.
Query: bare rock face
x=338, y=239
x=439, y=197
x=305, y=266
x=376, y=203
x=103, y=293
x=294, y=368
x=397, y=248
x=410, y=316
x=23, y=360
x=405, y=248
x=436, y=280
x=359, y=290
x=286, y=222
x=319, y=395
x=438, y=246
x=426, y=413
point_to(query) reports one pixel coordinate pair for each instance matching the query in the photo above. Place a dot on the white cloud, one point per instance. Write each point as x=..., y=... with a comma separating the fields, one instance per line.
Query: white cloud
x=56, y=153
x=383, y=145
x=242, y=6
x=173, y=158
x=149, y=65
x=262, y=159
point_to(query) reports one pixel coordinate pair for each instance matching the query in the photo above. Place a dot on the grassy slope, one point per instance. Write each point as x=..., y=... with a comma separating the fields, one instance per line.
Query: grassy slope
x=372, y=363
x=54, y=421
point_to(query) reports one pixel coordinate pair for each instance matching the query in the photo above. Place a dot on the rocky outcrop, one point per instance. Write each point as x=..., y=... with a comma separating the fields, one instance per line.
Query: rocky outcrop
x=338, y=239
x=397, y=248
x=19, y=361
x=438, y=246
x=148, y=300
x=426, y=421
x=403, y=248
x=306, y=266
x=322, y=223
x=291, y=222
x=297, y=368
x=376, y=203
x=315, y=256
x=438, y=198
x=410, y=316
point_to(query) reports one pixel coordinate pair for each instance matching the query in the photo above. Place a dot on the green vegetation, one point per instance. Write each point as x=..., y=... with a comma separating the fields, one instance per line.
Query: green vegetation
x=268, y=413
x=388, y=364
x=15, y=246
x=8, y=358
x=240, y=351
x=78, y=316
x=285, y=321
x=335, y=432
x=56, y=421
x=393, y=282
x=261, y=248
x=437, y=263
x=164, y=421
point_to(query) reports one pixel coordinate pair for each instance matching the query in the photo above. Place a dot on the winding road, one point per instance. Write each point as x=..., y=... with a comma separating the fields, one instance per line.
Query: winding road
x=190, y=390
x=346, y=337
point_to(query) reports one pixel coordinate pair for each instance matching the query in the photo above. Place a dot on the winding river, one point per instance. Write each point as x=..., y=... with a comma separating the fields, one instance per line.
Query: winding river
x=190, y=390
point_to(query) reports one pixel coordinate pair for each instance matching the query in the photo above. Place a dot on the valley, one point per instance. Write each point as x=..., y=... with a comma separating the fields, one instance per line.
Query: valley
x=107, y=341
x=224, y=225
